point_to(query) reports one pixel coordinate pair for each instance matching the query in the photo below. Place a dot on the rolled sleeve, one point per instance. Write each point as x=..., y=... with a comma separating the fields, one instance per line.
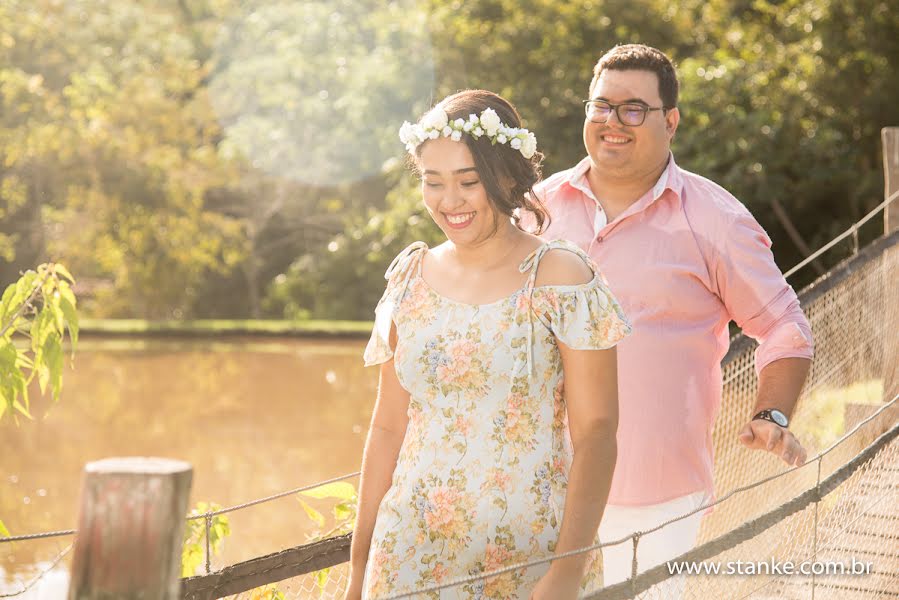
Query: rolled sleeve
x=756, y=295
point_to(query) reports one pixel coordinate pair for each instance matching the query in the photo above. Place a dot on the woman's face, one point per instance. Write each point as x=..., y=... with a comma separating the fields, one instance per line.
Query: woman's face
x=453, y=192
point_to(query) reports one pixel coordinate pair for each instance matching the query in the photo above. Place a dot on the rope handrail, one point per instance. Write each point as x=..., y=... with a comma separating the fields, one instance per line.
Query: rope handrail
x=205, y=515
x=311, y=486
x=37, y=536
x=39, y=576
x=851, y=231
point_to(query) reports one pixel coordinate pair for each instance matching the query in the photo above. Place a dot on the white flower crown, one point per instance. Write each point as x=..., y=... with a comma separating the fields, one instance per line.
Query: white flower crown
x=436, y=123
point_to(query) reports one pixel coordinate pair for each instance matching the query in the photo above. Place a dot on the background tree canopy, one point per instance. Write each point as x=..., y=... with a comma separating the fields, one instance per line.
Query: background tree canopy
x=218, y=158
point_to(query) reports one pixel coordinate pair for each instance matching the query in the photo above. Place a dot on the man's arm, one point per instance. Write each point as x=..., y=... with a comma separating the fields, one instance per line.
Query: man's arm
x=779, y=385
x=761, y=302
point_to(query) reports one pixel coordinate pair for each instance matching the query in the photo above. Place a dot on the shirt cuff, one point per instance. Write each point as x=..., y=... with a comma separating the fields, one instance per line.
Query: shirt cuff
x=791, y=338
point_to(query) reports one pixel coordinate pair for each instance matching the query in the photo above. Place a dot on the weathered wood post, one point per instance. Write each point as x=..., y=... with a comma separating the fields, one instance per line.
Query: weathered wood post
x=130, y=529
x=890, y=138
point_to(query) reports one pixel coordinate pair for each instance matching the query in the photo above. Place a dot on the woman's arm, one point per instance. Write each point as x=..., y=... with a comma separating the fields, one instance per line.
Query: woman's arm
x=388, y=427
x=591, y=396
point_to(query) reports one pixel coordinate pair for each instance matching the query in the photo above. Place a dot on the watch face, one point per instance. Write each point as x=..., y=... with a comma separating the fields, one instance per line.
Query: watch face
x=779, y=418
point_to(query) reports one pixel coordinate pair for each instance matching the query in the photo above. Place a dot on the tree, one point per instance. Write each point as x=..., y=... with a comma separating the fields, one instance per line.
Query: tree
x=106, y=133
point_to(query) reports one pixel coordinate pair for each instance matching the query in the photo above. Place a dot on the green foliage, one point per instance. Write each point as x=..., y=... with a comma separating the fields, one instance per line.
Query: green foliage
x=193, y=552
x=41, y=307
x=215, y=158
x=344, y=517
x=110, y=143
x=346, y=278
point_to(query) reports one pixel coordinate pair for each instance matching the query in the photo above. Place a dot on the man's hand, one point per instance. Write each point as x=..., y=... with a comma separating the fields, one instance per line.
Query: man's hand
x=759, y=434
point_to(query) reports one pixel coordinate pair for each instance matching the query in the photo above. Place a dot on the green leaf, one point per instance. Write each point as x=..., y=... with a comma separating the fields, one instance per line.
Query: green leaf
x=313, y=514
x=344, y=511
x=67, y=306
x=5, y=303
x=338, y=489
x=22, y=409
x=53, y=358
x=38, y=333
x=61, y=270
x=24, y=287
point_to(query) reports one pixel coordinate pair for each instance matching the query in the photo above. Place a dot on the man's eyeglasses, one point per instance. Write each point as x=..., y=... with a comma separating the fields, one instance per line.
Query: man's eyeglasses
x=630, y=114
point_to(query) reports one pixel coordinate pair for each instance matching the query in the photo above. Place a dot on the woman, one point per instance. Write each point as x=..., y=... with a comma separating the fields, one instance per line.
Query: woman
x=477, y=458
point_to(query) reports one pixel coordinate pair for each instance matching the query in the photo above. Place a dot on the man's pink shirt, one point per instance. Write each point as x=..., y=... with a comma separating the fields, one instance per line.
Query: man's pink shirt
x=684, y=260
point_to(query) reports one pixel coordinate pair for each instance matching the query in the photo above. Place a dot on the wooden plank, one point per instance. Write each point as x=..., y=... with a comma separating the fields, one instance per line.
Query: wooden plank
x=245, y=576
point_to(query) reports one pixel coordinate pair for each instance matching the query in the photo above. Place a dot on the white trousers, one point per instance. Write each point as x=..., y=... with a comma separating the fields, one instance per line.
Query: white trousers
x=653, y=549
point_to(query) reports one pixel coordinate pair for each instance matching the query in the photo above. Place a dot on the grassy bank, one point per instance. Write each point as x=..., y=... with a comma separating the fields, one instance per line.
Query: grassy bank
x=224, y=327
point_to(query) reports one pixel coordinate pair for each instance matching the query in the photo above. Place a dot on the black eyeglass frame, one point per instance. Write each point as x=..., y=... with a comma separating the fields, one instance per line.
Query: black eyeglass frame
x=645, y=109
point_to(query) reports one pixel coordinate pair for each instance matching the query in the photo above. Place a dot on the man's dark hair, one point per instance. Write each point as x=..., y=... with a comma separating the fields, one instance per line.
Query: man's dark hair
x=638, y=57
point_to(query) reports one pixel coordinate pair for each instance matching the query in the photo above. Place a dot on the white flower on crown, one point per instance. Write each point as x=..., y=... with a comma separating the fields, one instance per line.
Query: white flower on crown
x=436, y=123
x=407, y=133
x=490, y=121
x=435, y=119
x=529, y=145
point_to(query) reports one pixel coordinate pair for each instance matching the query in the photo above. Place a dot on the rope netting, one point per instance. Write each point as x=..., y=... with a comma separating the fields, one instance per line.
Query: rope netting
x=854, y=382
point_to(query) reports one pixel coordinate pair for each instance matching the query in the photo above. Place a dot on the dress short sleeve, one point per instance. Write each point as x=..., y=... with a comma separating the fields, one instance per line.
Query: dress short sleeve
x=398, y=275
x=378, y=349
x=583, y=317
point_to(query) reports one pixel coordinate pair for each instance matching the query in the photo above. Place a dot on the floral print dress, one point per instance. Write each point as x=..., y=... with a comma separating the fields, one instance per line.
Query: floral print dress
x=481, y=475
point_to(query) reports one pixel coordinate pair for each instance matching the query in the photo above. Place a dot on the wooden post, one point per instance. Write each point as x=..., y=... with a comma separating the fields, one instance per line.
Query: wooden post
x=130, y=529
x=890, y=138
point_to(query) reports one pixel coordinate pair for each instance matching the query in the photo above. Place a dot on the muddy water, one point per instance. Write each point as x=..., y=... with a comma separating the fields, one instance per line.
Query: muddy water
x=254, y=416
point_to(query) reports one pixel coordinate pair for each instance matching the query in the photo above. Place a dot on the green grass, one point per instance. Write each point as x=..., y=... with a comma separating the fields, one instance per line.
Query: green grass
x=221, y=327
x=823, y=417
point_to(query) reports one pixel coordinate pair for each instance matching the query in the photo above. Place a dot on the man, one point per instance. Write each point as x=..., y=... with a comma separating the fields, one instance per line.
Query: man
x=684, y=258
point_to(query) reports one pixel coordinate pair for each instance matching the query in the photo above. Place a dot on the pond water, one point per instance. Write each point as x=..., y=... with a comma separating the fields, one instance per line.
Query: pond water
x=254, y=416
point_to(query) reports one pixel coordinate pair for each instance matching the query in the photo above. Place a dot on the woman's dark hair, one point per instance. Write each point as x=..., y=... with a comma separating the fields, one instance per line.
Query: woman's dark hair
x=500, y=162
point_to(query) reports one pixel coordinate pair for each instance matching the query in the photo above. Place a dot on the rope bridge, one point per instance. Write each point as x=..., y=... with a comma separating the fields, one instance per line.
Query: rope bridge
x=842, y=505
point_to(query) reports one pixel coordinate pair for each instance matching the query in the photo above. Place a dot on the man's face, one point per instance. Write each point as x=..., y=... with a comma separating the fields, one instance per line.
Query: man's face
x=628, y=152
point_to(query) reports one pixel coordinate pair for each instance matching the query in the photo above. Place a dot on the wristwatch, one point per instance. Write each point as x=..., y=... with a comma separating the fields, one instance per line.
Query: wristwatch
x=773, y=415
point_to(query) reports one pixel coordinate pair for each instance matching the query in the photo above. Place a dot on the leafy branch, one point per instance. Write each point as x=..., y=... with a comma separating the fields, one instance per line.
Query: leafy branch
x=193, y=551
x=344, y=518
x=39, y=306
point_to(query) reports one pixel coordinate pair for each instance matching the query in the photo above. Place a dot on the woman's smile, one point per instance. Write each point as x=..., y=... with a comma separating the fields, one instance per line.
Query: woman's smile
x=459, y=220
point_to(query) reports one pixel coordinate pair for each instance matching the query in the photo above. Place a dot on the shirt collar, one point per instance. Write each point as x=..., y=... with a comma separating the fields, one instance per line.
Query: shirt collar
x=670, y=179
